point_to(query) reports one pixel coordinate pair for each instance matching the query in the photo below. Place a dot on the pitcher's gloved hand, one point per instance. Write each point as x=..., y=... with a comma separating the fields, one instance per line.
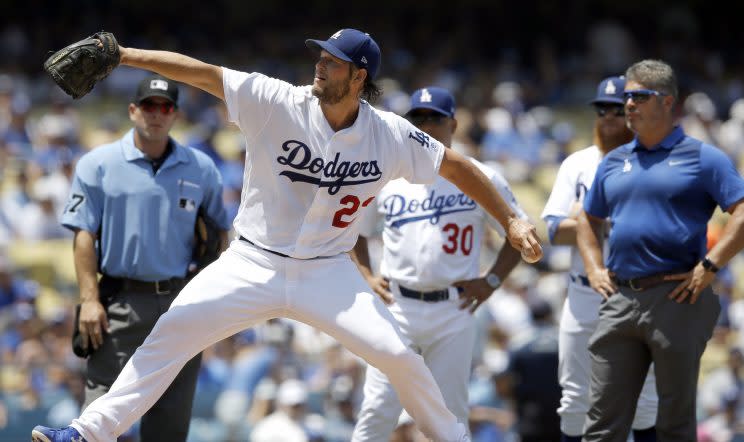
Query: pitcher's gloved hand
x=79, y=66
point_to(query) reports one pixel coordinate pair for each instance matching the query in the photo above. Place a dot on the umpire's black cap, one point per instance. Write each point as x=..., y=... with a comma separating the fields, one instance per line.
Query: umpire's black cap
x=157, y=86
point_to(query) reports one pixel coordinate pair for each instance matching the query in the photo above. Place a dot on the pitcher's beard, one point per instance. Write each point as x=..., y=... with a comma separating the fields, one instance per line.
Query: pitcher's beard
x=332, y=95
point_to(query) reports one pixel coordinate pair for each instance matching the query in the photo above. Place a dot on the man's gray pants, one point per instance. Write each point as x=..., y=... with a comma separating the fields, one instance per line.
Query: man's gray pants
x=637, y=328
x=131, y=317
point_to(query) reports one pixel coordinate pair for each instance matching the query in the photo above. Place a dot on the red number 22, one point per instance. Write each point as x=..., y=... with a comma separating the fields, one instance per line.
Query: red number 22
x=352, y=205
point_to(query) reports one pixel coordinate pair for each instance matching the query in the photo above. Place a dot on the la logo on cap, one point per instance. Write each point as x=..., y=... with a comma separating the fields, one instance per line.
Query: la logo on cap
x=425, y=96
x=364, y=59
x=337, y=35
x=159, y=84
x=610, y=88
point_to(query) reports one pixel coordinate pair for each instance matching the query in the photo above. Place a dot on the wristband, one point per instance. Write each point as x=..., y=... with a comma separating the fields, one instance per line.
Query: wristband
x=709, y=266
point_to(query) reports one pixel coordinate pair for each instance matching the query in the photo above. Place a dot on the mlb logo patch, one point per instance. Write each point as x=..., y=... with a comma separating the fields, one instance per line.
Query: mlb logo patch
x=187, y=204
x=159, y=84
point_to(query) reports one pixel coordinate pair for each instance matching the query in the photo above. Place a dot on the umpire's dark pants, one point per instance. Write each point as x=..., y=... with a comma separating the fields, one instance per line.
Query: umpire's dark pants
x=131, y=316
x=635, y=329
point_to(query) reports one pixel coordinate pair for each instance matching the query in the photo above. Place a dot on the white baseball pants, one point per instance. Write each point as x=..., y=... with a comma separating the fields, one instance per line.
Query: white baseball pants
x=246, y=286
x=444, y=336
x=578, y=322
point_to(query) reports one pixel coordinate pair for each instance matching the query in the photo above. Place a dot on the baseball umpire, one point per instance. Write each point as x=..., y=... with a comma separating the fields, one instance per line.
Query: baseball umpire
x=133, y=206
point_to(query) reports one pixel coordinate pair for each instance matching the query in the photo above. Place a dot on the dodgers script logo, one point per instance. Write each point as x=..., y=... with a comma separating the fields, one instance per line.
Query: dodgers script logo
x=431, y=208
x=335, y=173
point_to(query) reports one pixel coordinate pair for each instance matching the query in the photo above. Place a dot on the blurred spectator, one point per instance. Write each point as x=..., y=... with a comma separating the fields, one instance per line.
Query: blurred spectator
x=700, y=119
x=491, y=415
x=340, y=415
x=13, y=201
x=532, y=368
x=508, y=306
x=262, y=352
x=40, y=216
x=57, y=142
x=286, y=423
x=722, y=382
x=726, y=425
x=732, y=130
x=59, y=180
x=14, y=288
x=202, y=136
x=611, y=48
x=6, y=98
x=16, y=135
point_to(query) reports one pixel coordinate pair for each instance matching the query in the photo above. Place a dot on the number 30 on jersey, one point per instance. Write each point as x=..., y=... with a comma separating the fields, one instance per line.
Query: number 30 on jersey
x=458, y=239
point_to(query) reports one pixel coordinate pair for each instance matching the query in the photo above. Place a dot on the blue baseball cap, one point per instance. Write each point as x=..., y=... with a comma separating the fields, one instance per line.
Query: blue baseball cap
x=351, y=45
x=610, y=90
x=435, y=98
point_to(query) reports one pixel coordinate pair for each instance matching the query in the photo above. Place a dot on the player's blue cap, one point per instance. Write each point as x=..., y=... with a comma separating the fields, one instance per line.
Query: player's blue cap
x=435, y=98
x=351, y=45
x=610, y=90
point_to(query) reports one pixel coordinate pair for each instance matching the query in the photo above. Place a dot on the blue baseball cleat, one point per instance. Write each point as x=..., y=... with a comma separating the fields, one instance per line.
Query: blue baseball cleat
x=46, y=434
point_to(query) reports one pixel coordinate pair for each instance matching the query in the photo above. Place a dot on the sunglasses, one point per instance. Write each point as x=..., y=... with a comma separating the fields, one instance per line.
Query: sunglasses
x=641, y=95
x=615, y=110
x=419, y=119
x=165, y=108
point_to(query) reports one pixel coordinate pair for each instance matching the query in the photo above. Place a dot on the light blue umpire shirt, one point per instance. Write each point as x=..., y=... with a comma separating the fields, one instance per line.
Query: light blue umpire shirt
x=144, y=220
x=659, y=202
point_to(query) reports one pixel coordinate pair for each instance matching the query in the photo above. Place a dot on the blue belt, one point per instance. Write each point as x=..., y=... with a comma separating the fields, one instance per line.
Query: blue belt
x=432, y=296
x=580, y=279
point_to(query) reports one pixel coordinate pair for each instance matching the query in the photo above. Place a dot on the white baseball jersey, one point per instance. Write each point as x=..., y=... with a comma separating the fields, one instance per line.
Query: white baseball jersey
x=304, y=183
x=433, y=233
x=575, y=177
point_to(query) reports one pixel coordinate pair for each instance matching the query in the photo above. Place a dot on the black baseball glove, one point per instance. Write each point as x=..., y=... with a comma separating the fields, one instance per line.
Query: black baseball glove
x=207, y=243
x=79, y=66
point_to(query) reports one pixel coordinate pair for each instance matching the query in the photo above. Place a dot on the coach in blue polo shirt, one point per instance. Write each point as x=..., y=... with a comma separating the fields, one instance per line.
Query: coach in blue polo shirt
x=133, y=207
x=659, y=191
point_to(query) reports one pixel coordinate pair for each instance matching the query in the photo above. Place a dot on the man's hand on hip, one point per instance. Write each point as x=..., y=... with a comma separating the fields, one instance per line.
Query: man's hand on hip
x=601, y=281
x=473, y=293
x=381, y=286
x=691, y=287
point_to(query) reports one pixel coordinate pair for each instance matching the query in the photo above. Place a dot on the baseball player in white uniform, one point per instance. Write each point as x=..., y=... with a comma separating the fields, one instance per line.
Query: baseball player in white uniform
x=581, y=308
x=432, y=239
x=316, y=156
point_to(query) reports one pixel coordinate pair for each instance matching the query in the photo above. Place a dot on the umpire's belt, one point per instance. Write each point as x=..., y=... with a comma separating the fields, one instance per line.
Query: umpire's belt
x=580, y=279
x=164, y=287
x=433, y=296
x=647, y=282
